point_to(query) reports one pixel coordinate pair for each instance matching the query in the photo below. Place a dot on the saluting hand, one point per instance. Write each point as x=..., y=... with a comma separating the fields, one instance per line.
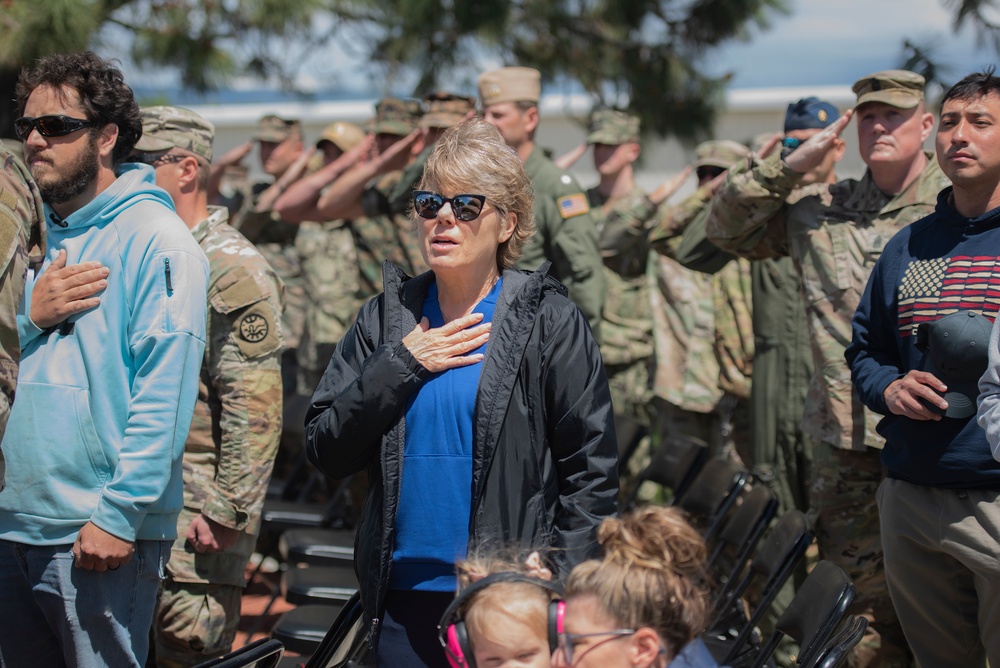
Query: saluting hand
x=446, y=347
x=812, y=151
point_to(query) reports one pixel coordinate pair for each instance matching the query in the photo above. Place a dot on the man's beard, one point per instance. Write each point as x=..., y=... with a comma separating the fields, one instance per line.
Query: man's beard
x=75, y=177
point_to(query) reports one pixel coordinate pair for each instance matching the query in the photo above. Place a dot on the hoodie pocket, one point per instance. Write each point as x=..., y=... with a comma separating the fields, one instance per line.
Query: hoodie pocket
x=58, y=467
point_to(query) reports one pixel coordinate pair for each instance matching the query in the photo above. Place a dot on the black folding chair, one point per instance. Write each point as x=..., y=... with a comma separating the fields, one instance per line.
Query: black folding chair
x=780, y=551
x=674, y=465
x=814, y=614
x=302, y=629
x=263, y=653
x=741, y=533
x=712, y=493
x=836, y=651
x=346, y=642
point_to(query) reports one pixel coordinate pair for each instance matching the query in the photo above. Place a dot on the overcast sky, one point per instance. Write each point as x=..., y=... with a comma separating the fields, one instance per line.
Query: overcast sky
x=838, y=41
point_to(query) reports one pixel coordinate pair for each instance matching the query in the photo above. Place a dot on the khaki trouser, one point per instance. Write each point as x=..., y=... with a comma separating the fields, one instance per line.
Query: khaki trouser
x=942, y=562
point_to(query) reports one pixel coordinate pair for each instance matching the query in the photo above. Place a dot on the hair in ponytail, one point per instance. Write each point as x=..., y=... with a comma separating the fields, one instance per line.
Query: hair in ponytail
x=652, y=575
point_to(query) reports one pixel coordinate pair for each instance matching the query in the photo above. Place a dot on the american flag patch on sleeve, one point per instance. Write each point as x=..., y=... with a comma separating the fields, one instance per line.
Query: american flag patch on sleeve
x=573, y=205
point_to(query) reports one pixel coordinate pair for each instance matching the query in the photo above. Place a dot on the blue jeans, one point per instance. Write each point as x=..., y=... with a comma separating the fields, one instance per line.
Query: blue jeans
x=55, y=614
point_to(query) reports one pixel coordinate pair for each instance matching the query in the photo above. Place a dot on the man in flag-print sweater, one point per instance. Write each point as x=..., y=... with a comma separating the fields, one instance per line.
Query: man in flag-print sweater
x=921, y=341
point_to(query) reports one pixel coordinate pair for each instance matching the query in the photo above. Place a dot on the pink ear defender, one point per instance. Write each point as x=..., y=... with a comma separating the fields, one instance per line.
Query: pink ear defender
x=454, y=637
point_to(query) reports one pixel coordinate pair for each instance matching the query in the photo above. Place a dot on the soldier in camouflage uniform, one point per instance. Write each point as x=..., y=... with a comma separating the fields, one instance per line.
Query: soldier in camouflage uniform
x=284, y=159
x=622, y=212
x=22, y=243
x=834, y=238
x=329, y=271
x=688, y=398
x=237, y=421
x=565, y=231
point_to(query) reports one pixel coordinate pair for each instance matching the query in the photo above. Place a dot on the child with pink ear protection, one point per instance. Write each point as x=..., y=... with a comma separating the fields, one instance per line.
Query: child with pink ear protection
x=508, y=615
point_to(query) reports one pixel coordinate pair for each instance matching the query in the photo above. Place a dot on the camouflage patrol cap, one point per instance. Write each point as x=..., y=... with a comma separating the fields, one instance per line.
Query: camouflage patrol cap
x=342, y=134
x=719, y=153
x=612, y=127
x=164, y=128
x=510, y=84
x=897, y=88
x=394, y=116
x=443, y=110
x=276, y=129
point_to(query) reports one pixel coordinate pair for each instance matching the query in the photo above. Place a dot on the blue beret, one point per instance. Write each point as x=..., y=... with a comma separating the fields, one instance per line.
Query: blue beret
x=809, y=113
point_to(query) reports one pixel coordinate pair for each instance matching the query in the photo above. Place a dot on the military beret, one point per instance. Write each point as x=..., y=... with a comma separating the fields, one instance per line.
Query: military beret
x=897, y=88
x=612, y=127
x=809, y=113
x=164, y=128
x=276, y=129
x=510, y=84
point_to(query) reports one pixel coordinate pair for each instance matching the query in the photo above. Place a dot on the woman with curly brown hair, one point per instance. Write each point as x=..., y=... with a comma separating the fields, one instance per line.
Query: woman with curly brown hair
x=645, y=602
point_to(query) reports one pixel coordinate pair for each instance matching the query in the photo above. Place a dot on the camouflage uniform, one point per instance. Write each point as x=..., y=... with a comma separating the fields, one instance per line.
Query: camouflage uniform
x=22, y=243
x=236, y=425
x=686, y=382
x=626, y=325
x=834, y=238
x=329, y=277
x=230, y=448
x=389, y=233
x=275, y=238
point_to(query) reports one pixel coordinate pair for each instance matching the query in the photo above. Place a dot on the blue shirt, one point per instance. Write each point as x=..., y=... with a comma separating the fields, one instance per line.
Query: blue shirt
x=435, y=498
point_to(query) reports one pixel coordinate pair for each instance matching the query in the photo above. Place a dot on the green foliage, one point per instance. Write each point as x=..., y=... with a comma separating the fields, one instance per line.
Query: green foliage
x=30, y=29
x=643, y=51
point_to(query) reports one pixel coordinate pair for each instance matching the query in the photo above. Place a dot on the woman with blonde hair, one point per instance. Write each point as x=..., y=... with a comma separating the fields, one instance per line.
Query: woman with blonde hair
x=644, y=603
x=475, y=397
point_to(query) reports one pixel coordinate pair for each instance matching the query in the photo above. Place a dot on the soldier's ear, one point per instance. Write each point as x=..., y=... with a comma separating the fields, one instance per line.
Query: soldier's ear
x=188, y=168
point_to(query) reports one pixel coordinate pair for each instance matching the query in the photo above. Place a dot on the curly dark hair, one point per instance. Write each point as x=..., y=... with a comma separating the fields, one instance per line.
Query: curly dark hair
x=104, y=95
x=975, y=85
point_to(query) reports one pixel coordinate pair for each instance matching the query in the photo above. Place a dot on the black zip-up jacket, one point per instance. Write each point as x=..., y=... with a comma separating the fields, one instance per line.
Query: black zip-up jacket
x=545, y=457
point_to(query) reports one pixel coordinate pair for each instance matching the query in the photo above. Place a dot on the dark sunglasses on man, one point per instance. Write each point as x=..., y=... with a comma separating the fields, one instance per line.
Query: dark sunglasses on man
x=427, y=204
x=49, y=126
x=708, y=172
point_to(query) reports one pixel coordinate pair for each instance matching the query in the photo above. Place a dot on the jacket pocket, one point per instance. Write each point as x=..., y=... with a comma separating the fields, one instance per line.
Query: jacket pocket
x=56, y=466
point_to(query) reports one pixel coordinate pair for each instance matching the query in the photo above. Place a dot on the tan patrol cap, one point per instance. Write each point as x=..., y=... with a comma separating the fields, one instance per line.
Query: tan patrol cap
x=164, y=128
x=275, y=129
x=897, y=88
x=443, y=110
x=342, y=134
x=719, y=153
x=510, y=84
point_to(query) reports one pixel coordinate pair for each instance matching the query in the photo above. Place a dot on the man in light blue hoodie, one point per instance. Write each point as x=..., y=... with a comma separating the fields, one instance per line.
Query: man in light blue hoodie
x=112, y=333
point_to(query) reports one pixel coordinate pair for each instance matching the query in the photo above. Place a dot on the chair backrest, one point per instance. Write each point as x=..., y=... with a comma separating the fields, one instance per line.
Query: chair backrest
x=674, y=465
x=712, y=493
x=742, y=532
x=814, y=613
x=263, y=653
x=781, y=549
x=836, y=650
x=345, y=637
